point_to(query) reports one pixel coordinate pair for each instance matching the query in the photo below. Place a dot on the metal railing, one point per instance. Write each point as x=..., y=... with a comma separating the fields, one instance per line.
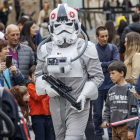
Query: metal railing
x=91, y=19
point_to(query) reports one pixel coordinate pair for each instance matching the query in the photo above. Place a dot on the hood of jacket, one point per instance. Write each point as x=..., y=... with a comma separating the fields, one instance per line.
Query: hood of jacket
x=23, y=38
x=135, y=27
x=28, y=82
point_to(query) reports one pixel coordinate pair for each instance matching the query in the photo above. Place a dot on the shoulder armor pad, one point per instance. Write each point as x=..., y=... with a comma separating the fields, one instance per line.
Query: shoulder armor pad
x=90, y=51
x=43, y=51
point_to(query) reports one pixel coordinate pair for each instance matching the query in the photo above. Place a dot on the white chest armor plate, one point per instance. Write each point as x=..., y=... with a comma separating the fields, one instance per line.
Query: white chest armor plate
x=71, y=51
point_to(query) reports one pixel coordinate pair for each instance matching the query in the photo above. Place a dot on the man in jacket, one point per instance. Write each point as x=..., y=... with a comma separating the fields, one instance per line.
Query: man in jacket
x=137, y=9
x=134, y=27
x=107, y=54
x=21, y=53
x=21, y=22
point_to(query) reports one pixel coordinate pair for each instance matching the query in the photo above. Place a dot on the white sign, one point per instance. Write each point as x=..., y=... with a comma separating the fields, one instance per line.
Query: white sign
x=74, y=3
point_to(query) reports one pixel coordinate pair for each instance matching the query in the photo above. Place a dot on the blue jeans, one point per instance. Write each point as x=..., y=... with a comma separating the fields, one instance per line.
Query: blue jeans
x=138, y=130
x=43, y=128
x=97, y=110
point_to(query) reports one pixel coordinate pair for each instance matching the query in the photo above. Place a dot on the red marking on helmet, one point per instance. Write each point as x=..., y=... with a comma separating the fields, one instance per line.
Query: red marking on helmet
x=77, y=8
x=63, y=31
x=53, y=16
x=72, y=14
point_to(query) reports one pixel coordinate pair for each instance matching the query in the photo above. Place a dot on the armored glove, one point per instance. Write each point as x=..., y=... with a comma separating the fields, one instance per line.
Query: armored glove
x=89, y=91
x=42, y=88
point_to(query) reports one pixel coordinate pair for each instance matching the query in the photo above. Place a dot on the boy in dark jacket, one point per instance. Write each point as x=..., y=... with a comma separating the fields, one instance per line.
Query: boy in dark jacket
x=121, y=103
x=39, y=111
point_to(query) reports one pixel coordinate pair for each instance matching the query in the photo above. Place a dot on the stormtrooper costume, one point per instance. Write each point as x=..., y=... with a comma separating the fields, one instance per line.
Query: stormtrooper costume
x=84, y=75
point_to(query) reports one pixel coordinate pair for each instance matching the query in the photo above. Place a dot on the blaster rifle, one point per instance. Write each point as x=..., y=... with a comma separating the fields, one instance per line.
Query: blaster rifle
x=62, y=90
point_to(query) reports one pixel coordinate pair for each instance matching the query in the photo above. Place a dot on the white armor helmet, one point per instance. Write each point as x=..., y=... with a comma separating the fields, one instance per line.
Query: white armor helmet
x=64, y=25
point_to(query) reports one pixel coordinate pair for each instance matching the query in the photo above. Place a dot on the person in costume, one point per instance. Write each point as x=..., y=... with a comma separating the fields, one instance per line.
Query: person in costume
x=75, y=62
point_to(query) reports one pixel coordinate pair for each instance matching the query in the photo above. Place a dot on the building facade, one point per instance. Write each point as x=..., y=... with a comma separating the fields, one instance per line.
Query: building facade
x=29, y=5
x=26, y=6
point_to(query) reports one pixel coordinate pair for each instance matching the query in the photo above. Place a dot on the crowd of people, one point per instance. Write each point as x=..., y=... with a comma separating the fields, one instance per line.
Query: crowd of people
x=118, y=52
x=108, y=6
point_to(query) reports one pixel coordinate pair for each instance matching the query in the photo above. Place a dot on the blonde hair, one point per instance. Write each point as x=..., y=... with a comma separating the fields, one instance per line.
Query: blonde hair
x=46, y=3
x=133, y=46
x=23, y=90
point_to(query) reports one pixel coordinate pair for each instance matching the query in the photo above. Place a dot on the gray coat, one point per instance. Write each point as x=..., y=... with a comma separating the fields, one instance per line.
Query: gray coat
x=25, y=60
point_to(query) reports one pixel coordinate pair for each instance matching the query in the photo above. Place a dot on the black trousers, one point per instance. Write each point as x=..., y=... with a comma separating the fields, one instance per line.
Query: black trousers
x=17, y=15
x=89, y=132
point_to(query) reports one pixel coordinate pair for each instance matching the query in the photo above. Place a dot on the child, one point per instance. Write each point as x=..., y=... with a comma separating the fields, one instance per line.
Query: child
x=22, y=96
x=39, y=111
x=120, y=104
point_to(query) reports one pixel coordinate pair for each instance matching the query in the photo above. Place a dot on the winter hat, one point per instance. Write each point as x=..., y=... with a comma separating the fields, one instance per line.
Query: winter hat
x=121, y=18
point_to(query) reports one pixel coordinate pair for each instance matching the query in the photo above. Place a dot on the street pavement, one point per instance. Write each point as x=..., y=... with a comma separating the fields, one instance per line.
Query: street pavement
x=105, y=137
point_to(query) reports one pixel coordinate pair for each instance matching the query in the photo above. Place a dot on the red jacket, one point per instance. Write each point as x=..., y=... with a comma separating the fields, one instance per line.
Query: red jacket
x=39, y=105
